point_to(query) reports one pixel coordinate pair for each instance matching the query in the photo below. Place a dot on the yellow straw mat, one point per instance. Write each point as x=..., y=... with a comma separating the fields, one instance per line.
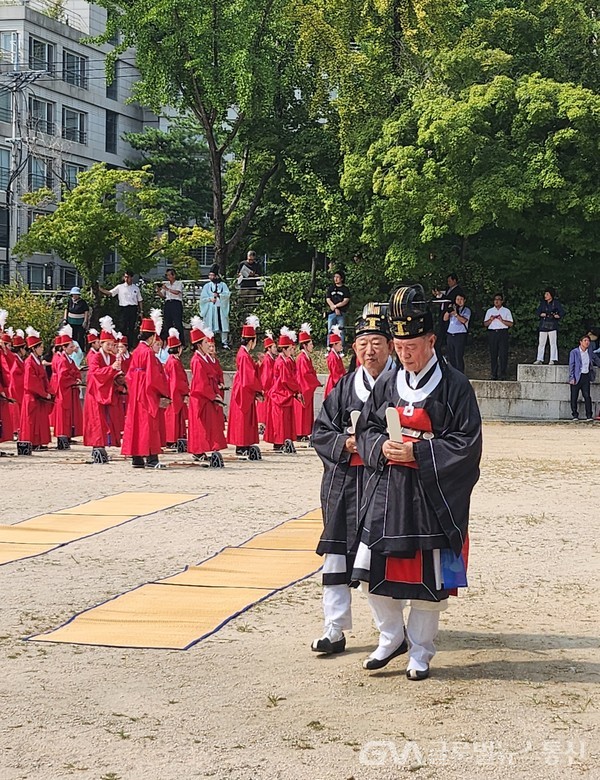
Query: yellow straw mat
x=156, y=616
x=47, y=532
x=180, y=610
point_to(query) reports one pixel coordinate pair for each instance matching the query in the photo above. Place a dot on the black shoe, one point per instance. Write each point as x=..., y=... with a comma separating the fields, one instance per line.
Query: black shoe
x=415, y=675
x=327, y=647
x=138, y=462
x=40, y=448
x=200, y=457
x=374, y=663
x=278, y=448
x=241, y=451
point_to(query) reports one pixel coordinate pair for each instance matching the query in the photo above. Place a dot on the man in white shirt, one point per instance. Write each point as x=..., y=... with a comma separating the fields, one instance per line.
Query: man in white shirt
x=172, y=291
x=457, y=317
x=130, y=305
x=498, y=319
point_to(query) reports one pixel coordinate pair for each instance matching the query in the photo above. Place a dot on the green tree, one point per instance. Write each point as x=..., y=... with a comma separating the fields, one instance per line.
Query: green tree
x=234, y=68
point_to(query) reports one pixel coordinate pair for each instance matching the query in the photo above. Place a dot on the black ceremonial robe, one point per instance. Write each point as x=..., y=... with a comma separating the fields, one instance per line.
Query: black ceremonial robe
x=410, y=512
x=341, y=486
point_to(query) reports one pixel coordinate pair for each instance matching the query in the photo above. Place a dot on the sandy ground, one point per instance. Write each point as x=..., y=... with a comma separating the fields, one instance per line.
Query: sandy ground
x=514, y=688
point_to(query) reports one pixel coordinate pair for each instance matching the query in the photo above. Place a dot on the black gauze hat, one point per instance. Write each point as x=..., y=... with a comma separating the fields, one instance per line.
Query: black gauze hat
x=409, y=313
x=373, y=321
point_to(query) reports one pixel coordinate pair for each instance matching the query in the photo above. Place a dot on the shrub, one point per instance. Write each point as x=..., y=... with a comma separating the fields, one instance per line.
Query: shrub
x=24, y=308
x=285, y=302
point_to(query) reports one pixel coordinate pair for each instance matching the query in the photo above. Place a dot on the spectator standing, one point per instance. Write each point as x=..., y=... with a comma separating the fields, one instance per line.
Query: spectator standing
x=214, y=305
x=172, y=292
x=581, y=375
x=249, y=271
x=457, y=317
x=130, y=304
x=550, y=313
x=338, y=300
x=77, y=315
x=453, y=289
x=498, y=319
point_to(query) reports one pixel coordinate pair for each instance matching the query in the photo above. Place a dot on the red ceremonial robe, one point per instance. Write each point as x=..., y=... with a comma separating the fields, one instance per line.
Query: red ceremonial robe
x=179, y=388
x=242, y=429
x=6, y=416
x=335, y=364
x=101, y=420
x=308, y=381
x=67, y=418
x=265, y=372
x=34, y=425
x=218, y=379
x=281, y=424
x=15, y=387
x=205, y=425
x=147, y=385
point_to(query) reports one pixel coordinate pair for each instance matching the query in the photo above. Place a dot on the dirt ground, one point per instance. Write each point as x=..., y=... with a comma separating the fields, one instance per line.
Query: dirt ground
x=514, y=687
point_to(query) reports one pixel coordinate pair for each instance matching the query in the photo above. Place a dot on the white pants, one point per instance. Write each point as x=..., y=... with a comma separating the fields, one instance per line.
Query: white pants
x=421, y=627
x=337, y=599
x=548, y=335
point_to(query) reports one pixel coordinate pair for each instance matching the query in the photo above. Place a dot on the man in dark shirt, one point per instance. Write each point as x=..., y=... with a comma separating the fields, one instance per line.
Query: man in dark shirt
x=338, y=300
x=76, y=314
x=249, y=271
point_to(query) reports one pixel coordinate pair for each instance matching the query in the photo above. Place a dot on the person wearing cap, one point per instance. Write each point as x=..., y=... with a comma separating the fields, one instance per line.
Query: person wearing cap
x=17, y=374
x=265, y=373
x=214, y=305
x=148, y=394
x=179, y=390
x=217, y=378
x=341, y=487
x=93, y=341
x=66, y=382
x=205, y=419
x=77, y=315
x=242, y=428
x=308, y=381
x=34, y=425
x=419, y=436
x=284, y=392
x=335, y=362
x=101, y=413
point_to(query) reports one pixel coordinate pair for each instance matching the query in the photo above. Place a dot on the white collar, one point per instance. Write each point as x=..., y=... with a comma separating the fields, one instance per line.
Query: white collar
x=413, y=396
x=359, y=380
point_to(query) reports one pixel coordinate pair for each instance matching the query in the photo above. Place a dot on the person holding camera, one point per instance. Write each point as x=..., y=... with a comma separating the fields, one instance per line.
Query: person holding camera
x=498, y=319
x=550, y=313
x=457, y=315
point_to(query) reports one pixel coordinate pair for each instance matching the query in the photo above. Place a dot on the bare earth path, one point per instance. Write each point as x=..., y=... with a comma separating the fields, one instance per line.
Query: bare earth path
x=514, y=690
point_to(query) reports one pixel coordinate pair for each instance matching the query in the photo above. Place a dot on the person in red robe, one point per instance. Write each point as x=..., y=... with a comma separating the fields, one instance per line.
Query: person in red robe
x=65, y=384
x=205, y=421
x=6, y=361
x=34, y=426
x=242, y=429
x=122, y=351
x=179, y=390
x=101, y=414
x=335, y=362
x=218, y=378
x=16, y=379
x=284, y=392
x=265, y=373
x=308, y=381
x=148, y=393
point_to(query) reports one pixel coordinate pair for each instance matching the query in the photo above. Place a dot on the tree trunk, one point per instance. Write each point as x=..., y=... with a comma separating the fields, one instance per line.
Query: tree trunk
x=313, y=275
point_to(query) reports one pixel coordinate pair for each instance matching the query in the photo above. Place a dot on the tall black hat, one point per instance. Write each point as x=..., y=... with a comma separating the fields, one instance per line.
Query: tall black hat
x=373, y=321
x=409, y=313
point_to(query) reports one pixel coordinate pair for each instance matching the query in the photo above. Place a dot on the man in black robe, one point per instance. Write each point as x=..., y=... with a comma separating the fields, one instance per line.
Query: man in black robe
x=341, y=488
x=419, y=436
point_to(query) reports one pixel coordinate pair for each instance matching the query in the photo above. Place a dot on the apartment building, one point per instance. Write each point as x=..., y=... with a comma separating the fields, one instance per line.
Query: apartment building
x=58, y=116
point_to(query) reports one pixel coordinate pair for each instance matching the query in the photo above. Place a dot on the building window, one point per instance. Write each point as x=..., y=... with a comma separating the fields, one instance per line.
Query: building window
x=70, y=173
x=69, y=278
x=4, y=227
x=35, y=276
x=32, y=216
x=75, y=69
x=111, y=132
x=112, y=92
x=40, y=173
x=110, y=264
x=41, y=55
x=74, y=125
x=9, y=43
x=5, y=106
x=41, y=116
x=4, y=169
